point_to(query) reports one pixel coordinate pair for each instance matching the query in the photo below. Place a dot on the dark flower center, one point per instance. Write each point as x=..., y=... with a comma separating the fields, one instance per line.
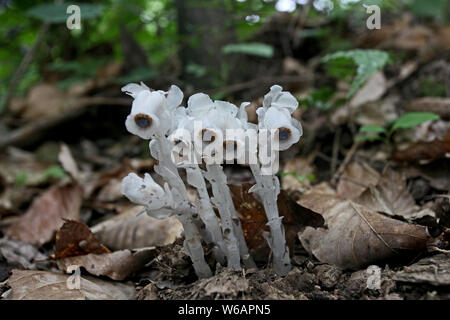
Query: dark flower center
x=143, y=121
x=284, y=134
x=208, y=136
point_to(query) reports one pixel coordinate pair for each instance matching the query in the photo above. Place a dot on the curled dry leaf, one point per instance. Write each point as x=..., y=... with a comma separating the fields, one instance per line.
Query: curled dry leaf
x=44, y=285
x=46, y=213
x=355, y=179
x=134, y=229
x=356, y=236
x=253, y=219
x=391, y=196
x=116, y=265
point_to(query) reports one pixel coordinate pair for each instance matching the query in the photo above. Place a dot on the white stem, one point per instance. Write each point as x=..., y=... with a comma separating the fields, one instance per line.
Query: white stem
x=195, y=178
x=231, y=225
x=268, y=188
x=167, y=169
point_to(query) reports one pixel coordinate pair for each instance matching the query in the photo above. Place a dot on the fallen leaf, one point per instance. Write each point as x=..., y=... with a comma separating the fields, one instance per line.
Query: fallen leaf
x=117, y=265
x=373, y=90
x=74, y=239
x=68, y=163
x=130, y=230
x=46, y=213
x=295, y=173
x=391, y=196
x=356, y=236
x=439, y=148
x=227, y=284
x=438, y=105
x=431, y=270
x=44, y=285
x=20, y=254
x=253, y=219
x=355, y=179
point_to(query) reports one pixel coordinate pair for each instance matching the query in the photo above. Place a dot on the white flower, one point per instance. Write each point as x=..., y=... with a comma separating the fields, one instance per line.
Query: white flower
x=145, y=191
x=287, y=129
x=151, y=110
x=280, y=99
x=276, y=115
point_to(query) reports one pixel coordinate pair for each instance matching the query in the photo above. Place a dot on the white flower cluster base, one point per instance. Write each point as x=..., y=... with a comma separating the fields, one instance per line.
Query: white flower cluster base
x=210, y=132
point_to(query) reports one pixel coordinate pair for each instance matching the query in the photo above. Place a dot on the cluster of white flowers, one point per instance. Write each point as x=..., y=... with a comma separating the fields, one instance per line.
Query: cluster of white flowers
x=158, y=116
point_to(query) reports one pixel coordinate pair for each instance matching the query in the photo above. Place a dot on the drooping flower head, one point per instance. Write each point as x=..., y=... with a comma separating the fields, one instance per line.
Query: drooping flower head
x=151, y=110
x=276, y=114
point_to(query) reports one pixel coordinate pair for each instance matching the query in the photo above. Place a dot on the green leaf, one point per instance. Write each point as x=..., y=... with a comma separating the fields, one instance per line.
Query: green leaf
x=57, y=12
x=255, y=49
x=21, y=178
x=54, y=172
x=412, y=119
x=368, y=138
x=372, y=128
x=367, y=61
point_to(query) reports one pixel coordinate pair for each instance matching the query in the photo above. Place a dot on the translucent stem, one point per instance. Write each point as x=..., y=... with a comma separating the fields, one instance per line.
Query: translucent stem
x=268, y=188
x=232, y=231
x=187, y=216
x=195, y=178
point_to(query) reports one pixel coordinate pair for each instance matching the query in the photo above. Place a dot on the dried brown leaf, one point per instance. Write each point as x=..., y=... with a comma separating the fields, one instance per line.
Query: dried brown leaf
x=75, y=239
x=46, y=213
x=391, y=196
x=355, y=179
x=44, y=285
x=130, y=230
x=356, y=236
x=431, y=270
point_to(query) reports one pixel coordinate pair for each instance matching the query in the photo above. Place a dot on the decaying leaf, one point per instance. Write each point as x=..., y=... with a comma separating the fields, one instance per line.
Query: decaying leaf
x=431, y=270
x=425, y=151
x=46, y=213
x=355, y=179
x=253, y=219
x=356, y=236
x=44, y=285
x=295, y=173
x=116, y=265
x=75, y=239
x=134, y=229
x=20, y=254
x=226, y=284
x=77, y=245
x=391, y=196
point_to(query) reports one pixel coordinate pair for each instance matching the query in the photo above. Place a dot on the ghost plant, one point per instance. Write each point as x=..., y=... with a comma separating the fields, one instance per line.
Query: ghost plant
x=210, y=132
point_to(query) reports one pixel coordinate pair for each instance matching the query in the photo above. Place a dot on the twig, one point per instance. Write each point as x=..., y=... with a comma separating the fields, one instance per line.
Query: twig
x=346, y=161
x=259, y=82
x=335, y=151
x=23, y=67
x=34, y=128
